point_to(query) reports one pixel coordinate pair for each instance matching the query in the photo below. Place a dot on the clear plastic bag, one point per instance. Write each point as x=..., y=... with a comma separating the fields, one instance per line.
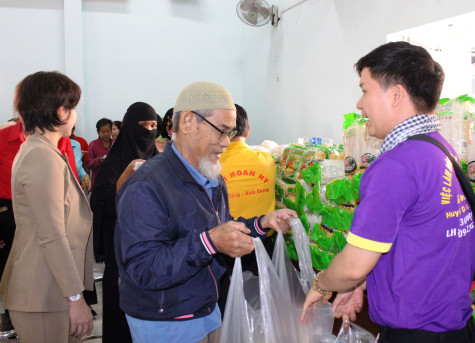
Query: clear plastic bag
x=354, y=334
x=263, y=315
x=320, y=325
x=302, y=245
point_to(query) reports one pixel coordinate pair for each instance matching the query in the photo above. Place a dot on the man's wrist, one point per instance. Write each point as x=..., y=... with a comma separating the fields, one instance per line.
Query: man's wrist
x=316, y=285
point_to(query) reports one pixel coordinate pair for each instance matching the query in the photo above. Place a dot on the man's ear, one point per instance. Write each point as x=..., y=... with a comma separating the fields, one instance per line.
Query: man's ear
x=398, y=93
x=186, y=121
x=248, y=130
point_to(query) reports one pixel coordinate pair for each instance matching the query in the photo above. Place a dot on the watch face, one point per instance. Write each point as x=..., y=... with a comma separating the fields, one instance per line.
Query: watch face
x=75, y=297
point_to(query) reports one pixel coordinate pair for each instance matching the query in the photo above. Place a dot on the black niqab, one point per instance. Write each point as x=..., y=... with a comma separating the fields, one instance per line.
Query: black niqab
x=133, y=142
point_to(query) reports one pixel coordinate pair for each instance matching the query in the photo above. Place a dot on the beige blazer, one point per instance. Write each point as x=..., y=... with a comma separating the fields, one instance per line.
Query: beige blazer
x=51, y=257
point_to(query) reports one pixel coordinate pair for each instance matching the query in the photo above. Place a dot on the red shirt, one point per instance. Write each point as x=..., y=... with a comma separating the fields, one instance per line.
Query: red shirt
x=10, y=140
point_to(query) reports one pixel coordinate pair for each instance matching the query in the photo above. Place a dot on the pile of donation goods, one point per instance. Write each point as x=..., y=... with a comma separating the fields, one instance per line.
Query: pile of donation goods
x=321, y=181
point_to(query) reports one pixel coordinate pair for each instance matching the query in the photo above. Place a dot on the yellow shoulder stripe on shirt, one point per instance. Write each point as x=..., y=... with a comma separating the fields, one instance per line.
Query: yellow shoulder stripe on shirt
x=367, y=244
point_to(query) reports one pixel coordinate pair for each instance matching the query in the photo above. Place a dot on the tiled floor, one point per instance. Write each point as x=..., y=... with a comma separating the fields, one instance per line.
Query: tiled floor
x=96, y=335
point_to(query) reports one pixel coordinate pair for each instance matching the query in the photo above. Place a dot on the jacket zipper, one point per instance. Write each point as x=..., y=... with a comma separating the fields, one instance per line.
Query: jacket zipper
x=219, y=223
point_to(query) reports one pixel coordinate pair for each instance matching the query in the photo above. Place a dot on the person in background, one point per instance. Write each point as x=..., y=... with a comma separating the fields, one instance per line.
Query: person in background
x=11, y=138
x=10, y=122
x=116, y=126
x=84, y=148
x=135, y=143
x=250, y=180
x=99, y=148
x=249, y=174
x=82, y=175
x=418, y=274
x=166, y=131
x=173, y=225
x=51, y=260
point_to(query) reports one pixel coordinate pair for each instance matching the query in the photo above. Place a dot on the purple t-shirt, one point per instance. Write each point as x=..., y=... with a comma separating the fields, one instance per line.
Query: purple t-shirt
x=413, y=211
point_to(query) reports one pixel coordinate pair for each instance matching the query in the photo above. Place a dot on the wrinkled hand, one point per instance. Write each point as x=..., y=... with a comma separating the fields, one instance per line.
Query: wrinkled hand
x=80, y=318
x=311, y=302
x=346, y=305
x=278, y=220
x=86, y=182
x=231, y=238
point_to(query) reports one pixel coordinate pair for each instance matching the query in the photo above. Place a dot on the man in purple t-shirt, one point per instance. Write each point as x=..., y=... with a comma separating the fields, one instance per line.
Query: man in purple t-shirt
x=412, y=238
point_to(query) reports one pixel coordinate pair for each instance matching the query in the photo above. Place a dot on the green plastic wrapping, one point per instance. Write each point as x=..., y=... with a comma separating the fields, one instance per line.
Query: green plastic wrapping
x=320, y=259
x=299, y=199
x=312, y=174
x=337, y=218
x=289, y=203
x=291, y=247
x=304, y=220
x=339, y=241
x=322, y=239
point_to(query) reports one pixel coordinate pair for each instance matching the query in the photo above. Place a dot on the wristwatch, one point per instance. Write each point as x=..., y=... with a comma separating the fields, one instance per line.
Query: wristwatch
x=74, y=298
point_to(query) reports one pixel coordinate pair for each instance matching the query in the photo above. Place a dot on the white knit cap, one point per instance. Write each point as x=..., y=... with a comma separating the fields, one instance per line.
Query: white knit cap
x=204, y=95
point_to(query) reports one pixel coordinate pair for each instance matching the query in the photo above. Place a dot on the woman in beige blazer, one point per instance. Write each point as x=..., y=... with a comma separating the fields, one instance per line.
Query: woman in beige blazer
x=50, y=263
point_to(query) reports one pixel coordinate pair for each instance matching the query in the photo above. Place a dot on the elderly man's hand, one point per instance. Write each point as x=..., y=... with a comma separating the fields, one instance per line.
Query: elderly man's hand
x=231, y=238
x=278, y=220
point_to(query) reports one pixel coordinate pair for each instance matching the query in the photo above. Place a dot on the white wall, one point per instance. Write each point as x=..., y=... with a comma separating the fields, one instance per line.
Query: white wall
x=301, y=72
x=148, y=50
x=132, y=50
x=31, y=39
x=295, y=80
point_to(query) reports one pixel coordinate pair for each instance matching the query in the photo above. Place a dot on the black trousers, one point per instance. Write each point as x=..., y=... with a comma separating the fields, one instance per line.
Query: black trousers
x=464, y=335
x=7, y=231
x=115, y=328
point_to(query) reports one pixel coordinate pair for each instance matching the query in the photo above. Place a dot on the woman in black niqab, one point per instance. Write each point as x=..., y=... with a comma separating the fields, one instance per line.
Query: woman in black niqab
x=136, y=140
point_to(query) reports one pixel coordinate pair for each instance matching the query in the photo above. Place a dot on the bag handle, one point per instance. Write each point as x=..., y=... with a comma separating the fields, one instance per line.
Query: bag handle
x=463, y=179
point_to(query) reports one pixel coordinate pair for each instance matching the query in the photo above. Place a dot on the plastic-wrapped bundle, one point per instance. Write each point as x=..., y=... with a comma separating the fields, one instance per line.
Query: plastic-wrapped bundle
x=353, y=137
x=371, y=148
x=452, y=115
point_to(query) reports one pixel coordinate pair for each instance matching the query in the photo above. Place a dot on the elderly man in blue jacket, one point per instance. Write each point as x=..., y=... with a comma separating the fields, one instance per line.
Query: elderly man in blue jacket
x=173, y=225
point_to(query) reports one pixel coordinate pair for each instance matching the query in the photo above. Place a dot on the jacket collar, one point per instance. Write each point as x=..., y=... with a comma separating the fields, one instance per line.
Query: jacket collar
x=180, y=169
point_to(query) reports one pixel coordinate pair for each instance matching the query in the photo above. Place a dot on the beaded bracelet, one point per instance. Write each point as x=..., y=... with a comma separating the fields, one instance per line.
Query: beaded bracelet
x=316, y=286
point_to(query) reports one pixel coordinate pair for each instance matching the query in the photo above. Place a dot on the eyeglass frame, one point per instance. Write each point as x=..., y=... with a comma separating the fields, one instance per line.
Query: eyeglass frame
x=224, y=133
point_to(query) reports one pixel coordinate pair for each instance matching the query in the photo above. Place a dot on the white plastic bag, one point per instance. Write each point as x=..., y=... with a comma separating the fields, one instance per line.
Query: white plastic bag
x=354, y=334
x=266, y=315
x=320, y=325
x=302, y=245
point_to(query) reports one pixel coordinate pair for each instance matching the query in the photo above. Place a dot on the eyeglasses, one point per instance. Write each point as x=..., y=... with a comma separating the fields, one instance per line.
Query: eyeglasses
x=224, y=133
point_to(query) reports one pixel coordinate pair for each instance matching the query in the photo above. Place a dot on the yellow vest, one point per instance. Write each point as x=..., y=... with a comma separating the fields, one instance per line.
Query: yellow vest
x=250, y=179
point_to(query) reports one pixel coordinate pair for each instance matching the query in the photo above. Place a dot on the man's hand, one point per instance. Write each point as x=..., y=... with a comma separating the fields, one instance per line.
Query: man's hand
x=346, y=305
x=278, y=220
x=311, y=302
x=231, y=238
x=80, y=318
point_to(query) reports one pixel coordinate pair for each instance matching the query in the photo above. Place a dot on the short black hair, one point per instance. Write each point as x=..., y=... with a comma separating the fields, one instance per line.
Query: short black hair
x=242, y=123
x=167, y=123
x=39, y=96
x=410, y=66
x=117, y=123
x=103, y=122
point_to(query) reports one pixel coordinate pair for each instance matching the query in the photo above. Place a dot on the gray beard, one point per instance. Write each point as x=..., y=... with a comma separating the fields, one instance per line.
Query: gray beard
x=209, y=169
